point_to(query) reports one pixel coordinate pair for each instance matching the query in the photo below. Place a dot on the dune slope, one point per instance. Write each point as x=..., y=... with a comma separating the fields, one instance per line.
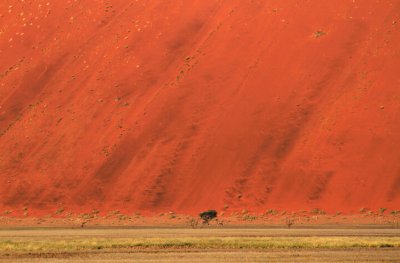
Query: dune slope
x=189, y=105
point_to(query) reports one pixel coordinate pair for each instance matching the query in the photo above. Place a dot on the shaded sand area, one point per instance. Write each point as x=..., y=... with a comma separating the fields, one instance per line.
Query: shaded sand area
x=373, y=244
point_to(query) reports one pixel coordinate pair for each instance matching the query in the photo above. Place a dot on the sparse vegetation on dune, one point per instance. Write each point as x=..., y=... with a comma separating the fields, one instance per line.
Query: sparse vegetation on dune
x=94, y=218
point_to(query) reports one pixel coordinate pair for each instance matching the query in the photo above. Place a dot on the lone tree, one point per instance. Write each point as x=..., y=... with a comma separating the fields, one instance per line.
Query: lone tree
x=207, y=216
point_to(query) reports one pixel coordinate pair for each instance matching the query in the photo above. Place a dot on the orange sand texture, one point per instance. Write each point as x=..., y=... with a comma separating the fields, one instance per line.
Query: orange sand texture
x=182, y=106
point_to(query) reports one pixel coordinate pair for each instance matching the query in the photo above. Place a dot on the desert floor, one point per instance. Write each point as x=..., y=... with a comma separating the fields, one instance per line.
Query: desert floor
x=228, y=244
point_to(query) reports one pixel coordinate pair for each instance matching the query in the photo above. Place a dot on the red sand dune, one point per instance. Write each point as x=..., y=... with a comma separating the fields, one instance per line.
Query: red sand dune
x=189, y=105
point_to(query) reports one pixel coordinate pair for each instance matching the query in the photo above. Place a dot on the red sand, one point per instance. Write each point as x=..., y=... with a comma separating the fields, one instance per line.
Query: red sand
x=182, y=106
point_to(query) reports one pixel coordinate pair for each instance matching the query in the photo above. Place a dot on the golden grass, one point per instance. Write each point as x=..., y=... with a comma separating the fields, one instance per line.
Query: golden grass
x=90, y=244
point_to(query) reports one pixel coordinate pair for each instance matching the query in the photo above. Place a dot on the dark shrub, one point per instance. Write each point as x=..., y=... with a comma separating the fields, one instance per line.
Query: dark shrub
x=208, y=215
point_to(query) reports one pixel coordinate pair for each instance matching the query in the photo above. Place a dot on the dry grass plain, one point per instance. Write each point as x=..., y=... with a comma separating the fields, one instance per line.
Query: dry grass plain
x=200, y=245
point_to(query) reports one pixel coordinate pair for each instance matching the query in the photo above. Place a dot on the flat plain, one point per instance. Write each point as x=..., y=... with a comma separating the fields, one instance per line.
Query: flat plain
x=147, y=244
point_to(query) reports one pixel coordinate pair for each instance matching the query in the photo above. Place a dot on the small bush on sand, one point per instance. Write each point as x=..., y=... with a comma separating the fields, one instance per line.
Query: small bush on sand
x=59, y=211
x=318, y=211
x=382, y=210
x=193, y=223
x=272, y=212
x=248, y=217
x=289, y=222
